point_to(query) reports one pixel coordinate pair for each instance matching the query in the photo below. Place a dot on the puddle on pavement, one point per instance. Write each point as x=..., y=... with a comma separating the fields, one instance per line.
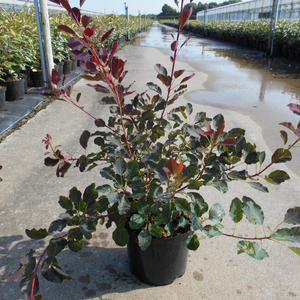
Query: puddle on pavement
x=239, y=79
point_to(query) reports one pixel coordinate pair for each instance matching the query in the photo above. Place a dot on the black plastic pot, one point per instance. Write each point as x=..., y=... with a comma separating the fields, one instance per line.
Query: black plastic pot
x=37, y=77
x=67, y=67
x=59, y=67
x=162, y=262
x=14, y=89
x=2, y=97
x=74, y=65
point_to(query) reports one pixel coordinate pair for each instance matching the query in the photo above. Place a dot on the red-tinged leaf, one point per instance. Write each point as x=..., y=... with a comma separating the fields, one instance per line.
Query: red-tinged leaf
x=88, y=67
x=167, y=170
x=106, y=35
x=284, y=136
x=171, y=59
x=66, y=29
x=295, y=108
x=74, y=43
x=184, y=178
x=81, y=2
x=155, y=99
x=172, y=165
x=55, y=1
x=184, y=42
x=180, y=168
x=220, y=129
x=176, y=2
x=187, y=78
x=200, y=131
x=69, y=90
x=174, y=46
x=161, y=70
x=172, y=36
x=38, y=297
x=80, y=55
x=99, y=88
x=229, y=142
x=297, y=132
x=101, y=31
x=166, y=80
x=76, y=14
x=185, y=15
x=94, y=28
x=121, y=78
x=178, y=73
x=88, y=32
x=117, y=67
x=16, y=275
x=113, y=51
x=207, y=125
x=55, y=78
x=66, y=5
x=86, y=21
x=210, y=132
x=288, y=125
x=78, y=97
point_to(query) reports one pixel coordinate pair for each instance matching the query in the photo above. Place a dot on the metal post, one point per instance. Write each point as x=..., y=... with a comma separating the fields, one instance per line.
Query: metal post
x=140, y=20
x=273, y=22
x=205, y=21
x=38, y=24
x=47, y=36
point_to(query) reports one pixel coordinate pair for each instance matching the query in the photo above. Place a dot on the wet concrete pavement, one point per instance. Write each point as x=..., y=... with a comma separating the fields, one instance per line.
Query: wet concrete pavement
x=30, y=191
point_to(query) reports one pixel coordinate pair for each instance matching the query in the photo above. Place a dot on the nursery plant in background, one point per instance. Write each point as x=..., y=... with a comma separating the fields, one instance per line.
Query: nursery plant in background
x=157, y=160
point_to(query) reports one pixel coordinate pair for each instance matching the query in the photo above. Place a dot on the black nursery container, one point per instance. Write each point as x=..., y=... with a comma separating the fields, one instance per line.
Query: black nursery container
x=67, y=67
x=162, y=262
x=2, y=97
x=14, y=89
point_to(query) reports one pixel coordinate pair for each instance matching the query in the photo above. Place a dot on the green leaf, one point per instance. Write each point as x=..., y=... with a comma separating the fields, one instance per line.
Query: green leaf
x=195, y=185
x=212, y=231
x=108, y=173
x=252, y=249
x=124, y=205
x=120, y=236
x=160, y=69
x=295, y=250
x=281, y=155
x=277, y=177
x=103, y=188
x=144, y=239
x=103, y=204
x=84, y=139
x=132, y=170
x=169, y=228
x=236, y=210
x=75, y=195
x=143, y=207
x=196, y=225
x=66, y=203
x=218, y=120
x=57, y=225
x=26, y=284
x=252, y=158
x=292, y=216
x=216, y=213
x=120, y=166
x=137, y=221
x=253, y=211
x=220, y=186
x=75, y=246
x=183, y=222
x=192, y=242
x=258, y=186
x=57, y=246
x=182, y=204
x=52, y=272
x=284, y=136
x=90, y=194
x=189, y=108
x=262, y=157
x=88, y=226
x=155, y=230
x=287, y=234
x=37, y=234
x=168, y=211
x=200, y=117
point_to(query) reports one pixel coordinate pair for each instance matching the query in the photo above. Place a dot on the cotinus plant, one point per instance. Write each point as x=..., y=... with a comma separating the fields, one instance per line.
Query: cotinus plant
x=157, y=158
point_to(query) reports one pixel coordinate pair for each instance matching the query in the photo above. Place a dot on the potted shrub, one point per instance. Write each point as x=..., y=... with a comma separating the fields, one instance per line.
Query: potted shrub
x=156, y=159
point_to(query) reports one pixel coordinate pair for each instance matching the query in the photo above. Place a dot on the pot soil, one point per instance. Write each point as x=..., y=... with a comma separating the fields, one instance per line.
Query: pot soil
x=14, y=89
x=162, y=262
x=2, y=97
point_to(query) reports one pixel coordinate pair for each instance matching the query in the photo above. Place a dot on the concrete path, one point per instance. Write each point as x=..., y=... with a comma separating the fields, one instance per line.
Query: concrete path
x=29, y=194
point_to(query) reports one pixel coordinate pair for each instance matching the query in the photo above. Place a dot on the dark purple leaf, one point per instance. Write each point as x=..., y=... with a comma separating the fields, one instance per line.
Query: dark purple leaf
x=117, y=67
x=16, y=275
x=160, y=69
x=94, y=28
x=78, y=97
x=297, y=132
x=113, y=51
x=66, y=5
x=55, y=78
x=50, y=162
x=88, y=67
x=76, y=14
x=284, y=136
x=101, y=31
x=86, y=21
x=187, y=78
x=178, y=73
x=171, y=59
x=81, y=2
x=184, y=42
x=55, y=1
x=229, y=142
x=172, y=36
x=295, y=108
x=99, y=88
x=176, y=2
x=185, y=15
x=74, y=43
x=288, y=125
x=122, y=76
x=174, y=46
x=103, y=54
x=106, y=35
x=166, y=80
x=69, y=90
x=80, y=55
x=66, y=29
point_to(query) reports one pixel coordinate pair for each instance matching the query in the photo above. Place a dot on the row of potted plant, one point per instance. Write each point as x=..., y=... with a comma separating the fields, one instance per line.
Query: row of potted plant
x=253, y=33
x=19, y=44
